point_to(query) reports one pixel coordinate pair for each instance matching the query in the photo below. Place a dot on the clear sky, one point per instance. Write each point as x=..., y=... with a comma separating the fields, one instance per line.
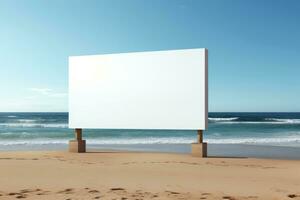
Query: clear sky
x=254, y=46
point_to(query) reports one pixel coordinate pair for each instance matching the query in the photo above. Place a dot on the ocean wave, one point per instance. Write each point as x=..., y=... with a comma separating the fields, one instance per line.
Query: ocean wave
x=148, y=140
x=15, y=133
x=99, y=141
x=11, y=116
x=33, y=125
x=26, y=120
x=262, y=122
x=174, y=140
x=237, y=120
x=275, y=140
x=288, y=121
x=21, y=135
x=33, y=142
x=218, y=119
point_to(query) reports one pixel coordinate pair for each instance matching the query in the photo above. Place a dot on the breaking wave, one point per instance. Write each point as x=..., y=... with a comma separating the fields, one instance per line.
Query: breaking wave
x=219, y=119
x=287, y=121
x=160, y=140
x=237, y=120
x=34, y=125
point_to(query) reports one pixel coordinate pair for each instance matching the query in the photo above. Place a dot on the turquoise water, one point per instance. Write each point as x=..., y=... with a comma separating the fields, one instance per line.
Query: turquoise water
x=31, y=130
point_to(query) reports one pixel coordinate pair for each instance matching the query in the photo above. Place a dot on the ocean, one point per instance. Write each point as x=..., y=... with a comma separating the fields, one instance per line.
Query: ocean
x=49, y=131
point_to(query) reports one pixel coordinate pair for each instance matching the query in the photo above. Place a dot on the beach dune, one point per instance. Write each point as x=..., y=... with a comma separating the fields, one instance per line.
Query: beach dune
x=133, y=175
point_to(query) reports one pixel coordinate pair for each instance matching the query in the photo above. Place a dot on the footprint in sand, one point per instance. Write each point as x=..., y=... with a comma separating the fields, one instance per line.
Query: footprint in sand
x=25, y=191
x=229, y=197
x=66, y=191
x=205, y=195
x=293, y=196
x=29, y=190
x=172, y=192
x=93, y=191
x=41, y=193
x=13, y=193
x=22, y=196
x=117, y=189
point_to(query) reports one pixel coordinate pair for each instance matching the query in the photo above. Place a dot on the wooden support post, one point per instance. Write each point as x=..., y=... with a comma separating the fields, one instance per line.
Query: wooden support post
x=78, y=134
x=199, y=149
x=200, y=136
x=77, y=145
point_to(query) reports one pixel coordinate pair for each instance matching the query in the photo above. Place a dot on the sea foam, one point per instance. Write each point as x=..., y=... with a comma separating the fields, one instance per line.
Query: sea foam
x=218, y=119
x=153, y=140
x=34, y=125
x=287, y=121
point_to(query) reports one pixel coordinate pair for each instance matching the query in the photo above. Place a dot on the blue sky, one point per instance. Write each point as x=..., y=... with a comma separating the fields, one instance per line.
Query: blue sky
x=254, y=46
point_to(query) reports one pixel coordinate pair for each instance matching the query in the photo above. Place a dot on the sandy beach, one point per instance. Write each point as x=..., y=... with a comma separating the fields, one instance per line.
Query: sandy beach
x=133, y=175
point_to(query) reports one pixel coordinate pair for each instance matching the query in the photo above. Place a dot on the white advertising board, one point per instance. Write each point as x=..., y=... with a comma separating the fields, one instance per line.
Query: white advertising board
x=143, y=90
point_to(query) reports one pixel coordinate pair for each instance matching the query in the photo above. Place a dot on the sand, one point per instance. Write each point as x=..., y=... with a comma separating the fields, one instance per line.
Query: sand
x=131, y=175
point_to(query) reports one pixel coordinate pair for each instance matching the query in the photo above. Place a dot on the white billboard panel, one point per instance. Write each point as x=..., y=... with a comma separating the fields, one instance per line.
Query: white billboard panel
x=143, y=90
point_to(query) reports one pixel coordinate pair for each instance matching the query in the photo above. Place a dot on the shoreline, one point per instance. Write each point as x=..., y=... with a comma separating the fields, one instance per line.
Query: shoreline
x=214, y=150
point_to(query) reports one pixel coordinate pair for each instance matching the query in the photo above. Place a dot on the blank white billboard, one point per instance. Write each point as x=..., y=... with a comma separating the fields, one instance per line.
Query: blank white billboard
x=143, y=90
